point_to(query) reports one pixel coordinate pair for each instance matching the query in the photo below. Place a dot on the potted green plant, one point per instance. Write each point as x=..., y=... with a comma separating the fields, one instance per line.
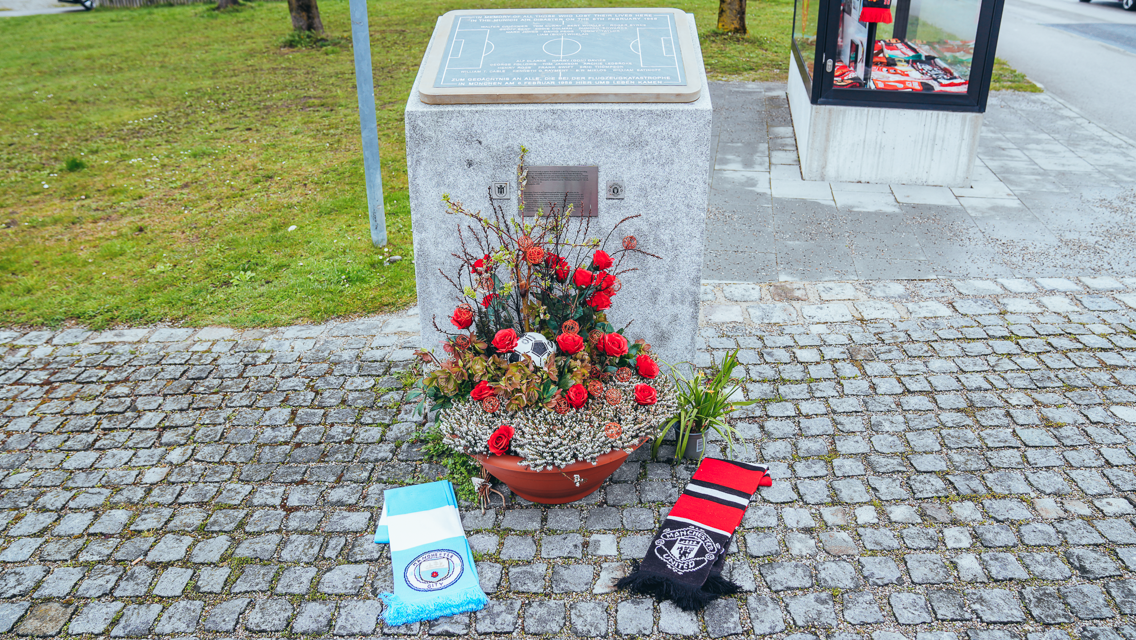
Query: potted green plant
x=703, y=406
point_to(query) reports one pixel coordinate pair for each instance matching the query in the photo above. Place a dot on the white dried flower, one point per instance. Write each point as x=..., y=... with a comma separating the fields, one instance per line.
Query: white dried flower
x=548, y=440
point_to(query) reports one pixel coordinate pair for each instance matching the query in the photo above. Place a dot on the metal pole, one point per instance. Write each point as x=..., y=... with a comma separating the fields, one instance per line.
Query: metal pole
x=871, y=54
x=365, y=86
x=902, y=18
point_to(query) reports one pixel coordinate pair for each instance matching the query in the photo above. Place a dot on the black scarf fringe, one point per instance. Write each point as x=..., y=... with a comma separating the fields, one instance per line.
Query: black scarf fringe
x=718, y=586
x=685, y=597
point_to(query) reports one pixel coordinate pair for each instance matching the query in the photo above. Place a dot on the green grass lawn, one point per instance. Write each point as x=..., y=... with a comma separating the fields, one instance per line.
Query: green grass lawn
x=153, y=162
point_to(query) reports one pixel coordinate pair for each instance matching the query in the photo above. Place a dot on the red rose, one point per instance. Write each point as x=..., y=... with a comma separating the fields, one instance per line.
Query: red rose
x=570, y=343
x=488, y=300
x=605, y=281
x=645, y=394
x=577, y=395
x=463, y=317
x=613, y=345
x=601, y=260
x=599, y=301
x=646, y=366
x=479, y=265
x=582, y=278
x=481, y=391
x=505, y=340
x=558, y=265
x=499, y=441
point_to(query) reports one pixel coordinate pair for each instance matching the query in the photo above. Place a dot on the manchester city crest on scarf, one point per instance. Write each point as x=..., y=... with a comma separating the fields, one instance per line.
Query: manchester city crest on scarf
x=434, y=570
x=685, y=550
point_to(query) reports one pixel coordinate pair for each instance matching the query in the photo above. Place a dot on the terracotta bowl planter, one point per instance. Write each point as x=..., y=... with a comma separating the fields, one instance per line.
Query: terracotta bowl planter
x=556, y=486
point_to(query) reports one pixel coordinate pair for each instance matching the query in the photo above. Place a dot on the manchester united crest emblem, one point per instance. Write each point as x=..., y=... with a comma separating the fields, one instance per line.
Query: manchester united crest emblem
x=687, y=549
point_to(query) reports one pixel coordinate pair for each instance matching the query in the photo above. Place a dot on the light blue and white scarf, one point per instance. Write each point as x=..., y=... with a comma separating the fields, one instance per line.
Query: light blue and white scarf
x=434, y=573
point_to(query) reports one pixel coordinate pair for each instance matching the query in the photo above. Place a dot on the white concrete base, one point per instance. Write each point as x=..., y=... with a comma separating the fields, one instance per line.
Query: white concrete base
x=887, y=146
x=661, y=152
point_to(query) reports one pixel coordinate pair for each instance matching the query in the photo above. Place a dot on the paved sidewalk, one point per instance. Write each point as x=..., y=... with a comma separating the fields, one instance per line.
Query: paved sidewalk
x=954, y=459
x=1052, y=196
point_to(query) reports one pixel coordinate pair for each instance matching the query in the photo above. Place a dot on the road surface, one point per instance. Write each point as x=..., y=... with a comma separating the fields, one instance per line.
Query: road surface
x=18, y=8
x=1083, y=53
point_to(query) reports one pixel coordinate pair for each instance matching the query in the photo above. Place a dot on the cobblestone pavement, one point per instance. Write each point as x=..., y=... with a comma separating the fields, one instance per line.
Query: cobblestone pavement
x=952, y=459
x=1052, y=196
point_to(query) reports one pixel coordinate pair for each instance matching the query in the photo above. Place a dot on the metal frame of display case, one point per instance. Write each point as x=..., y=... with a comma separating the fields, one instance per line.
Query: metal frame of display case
x=821, y=90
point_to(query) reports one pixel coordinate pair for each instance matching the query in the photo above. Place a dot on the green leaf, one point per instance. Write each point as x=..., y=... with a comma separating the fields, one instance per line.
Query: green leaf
x=565, y=381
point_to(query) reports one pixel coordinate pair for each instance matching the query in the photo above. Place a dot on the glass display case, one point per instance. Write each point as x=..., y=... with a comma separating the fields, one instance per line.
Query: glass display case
x=924, y=54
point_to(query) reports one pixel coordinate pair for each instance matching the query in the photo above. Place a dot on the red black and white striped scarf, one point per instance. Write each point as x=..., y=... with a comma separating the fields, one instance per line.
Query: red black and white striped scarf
x=876, y=11
x=684, y=563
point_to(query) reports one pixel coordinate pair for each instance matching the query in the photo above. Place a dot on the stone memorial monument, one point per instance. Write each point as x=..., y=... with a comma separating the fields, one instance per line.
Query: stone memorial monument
x=613, y=108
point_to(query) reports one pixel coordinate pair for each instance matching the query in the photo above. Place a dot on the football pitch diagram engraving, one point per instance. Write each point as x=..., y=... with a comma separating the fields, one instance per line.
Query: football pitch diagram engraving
x=562, y=49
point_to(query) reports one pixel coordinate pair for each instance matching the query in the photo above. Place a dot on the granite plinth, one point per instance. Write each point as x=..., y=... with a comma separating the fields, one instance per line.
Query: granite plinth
x=659, y=151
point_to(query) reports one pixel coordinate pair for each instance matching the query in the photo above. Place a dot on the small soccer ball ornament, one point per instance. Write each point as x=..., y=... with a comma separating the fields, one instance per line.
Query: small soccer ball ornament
x=535, y=346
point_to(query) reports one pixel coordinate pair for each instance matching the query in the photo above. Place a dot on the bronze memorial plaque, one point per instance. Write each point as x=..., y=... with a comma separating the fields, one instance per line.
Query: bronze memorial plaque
x=547, y=185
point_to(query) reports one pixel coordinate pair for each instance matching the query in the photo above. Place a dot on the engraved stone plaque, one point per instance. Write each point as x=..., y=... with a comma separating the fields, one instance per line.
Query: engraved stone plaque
x=561, y=55
x=562, y=186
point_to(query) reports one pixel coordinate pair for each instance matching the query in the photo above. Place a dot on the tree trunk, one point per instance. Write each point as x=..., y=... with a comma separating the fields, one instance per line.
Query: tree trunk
x=305, y=16
x=225, y=4
x=731, y=16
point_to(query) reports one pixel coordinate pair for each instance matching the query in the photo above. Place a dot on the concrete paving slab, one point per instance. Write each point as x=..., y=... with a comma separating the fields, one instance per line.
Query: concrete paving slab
x=918, y=194
x=866, y=201
x=900, y=247
x=739, y=266
x=1045, y=212
x=814, y=261
x=755, y=181
x=801, y=190
x=891, y=269
x=979, y=207
x=988, y=189
x=742, y=156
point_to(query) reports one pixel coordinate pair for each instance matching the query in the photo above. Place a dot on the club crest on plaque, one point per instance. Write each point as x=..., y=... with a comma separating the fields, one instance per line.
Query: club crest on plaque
x=687, y=549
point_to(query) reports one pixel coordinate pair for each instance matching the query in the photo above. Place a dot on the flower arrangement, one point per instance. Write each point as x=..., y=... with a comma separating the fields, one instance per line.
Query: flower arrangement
x=534, y=368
